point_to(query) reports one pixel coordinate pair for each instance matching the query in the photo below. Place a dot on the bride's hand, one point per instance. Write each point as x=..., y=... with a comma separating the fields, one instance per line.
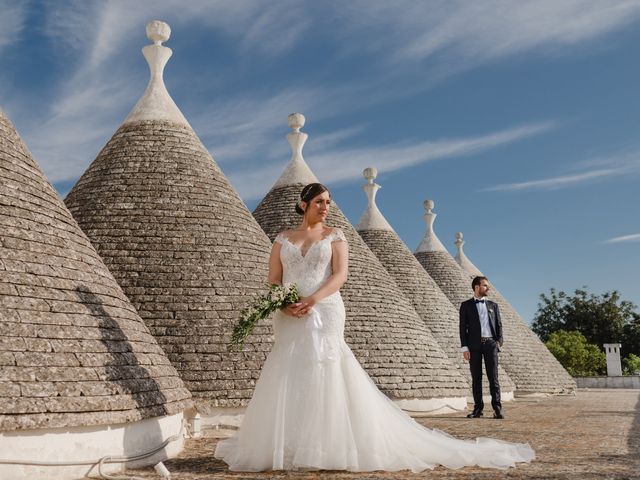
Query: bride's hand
x=305, y=306
x=292, y=309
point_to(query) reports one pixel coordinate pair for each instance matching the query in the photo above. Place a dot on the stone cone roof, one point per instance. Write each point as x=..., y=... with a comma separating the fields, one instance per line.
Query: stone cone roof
x=431, y=304
x=73, y=350
x=182, y=245
x=524, y=357
x=383, y=330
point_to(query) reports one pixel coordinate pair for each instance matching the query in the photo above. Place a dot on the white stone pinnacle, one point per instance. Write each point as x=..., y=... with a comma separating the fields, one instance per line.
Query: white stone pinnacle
x=158, y=31
x=372, y=218
x=430, y=242
x=156, y=103
x=296, y=121
x=462, y=259
x=297, y=171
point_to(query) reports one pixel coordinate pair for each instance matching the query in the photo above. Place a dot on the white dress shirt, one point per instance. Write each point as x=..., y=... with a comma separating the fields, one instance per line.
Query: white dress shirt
x=485, y=328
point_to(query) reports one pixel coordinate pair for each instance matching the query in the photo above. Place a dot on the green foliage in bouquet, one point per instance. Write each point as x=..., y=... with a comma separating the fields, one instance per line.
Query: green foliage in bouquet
x=277, y=297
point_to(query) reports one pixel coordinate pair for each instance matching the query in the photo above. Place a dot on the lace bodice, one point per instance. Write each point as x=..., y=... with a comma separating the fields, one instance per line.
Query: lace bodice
x=308, y=270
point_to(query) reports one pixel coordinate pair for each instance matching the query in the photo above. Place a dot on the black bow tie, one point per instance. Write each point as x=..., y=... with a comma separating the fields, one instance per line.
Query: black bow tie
x=478, y=301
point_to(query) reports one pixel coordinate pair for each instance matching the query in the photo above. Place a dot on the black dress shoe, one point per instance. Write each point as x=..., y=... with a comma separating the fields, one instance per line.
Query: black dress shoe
x=498, y=414
x=475, y=414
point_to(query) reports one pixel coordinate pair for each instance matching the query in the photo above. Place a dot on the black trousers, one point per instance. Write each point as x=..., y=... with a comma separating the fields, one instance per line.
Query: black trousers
x=489, y=352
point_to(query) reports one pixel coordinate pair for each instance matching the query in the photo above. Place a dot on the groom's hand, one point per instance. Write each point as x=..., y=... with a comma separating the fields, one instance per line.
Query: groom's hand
x=466, y=355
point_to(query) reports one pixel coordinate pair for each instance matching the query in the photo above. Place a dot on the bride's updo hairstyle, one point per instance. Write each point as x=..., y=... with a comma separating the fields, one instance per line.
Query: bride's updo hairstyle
x=308, y=193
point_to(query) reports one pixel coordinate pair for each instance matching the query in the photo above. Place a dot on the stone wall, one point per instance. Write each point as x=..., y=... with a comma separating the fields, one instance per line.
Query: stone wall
x=620, y=381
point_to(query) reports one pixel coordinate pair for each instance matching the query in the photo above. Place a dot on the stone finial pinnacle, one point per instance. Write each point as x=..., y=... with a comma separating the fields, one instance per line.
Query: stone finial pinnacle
x=158, y=31
x=297, y=171
x=462, y=259
x=370, y=174
x=156, y=103
x=296, y=121
x=296, y=138
x=430, y=242
x=372, y=218
x=460, y=256
x=428, y=205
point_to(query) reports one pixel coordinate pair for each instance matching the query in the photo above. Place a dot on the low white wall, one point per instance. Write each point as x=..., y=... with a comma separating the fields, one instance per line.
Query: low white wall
x=83, y=444
x=627, y=381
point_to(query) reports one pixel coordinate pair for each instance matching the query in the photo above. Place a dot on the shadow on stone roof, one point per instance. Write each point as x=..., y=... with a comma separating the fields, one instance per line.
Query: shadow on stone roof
x=124, y=368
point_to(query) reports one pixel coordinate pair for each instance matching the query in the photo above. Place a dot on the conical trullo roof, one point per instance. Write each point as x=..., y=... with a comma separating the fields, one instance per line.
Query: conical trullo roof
x=427, y=298
x=73, y=350
x=179, y=240
x=526, y=360
x=382, y=328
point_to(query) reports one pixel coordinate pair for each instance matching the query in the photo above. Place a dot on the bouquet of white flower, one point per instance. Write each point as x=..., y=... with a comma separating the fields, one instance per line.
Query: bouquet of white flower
x=278, y=296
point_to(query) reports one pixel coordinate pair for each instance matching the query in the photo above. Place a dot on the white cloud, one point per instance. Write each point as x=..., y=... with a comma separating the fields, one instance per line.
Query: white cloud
x=247, y=127
x=70, y=26
x=102, y=28
x=555, y=182
x=618, y=165
x=78, y=126
x=275, y=30
x=336, y=165
x=100, y=42
x=625, y=238
x=469, y=33
x=345, y=164
x=12, y=21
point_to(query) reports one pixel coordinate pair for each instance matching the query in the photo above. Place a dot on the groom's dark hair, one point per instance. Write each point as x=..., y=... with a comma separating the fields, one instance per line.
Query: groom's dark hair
x=476, y=281
x=308, y=193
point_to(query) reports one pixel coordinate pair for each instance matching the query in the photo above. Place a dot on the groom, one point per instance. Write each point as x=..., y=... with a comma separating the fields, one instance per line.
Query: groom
x=481, y=337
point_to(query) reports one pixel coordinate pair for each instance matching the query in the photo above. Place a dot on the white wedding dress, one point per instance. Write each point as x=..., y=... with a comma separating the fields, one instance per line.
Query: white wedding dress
x=314, y=407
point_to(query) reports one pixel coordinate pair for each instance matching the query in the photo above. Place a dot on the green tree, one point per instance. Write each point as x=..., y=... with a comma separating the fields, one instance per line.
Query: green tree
x=631, y=337
x=632, y=364
x=576, y=355
x=600, y=318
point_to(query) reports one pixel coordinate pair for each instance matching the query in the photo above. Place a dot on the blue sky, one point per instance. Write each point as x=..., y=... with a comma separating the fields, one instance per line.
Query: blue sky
x=520, y=120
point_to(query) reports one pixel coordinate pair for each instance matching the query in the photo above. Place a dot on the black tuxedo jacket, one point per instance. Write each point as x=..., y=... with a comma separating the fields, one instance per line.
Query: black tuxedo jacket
x=470, y=331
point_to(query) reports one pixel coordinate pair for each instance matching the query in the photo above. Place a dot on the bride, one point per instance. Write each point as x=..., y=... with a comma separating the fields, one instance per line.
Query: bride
x=314, y=407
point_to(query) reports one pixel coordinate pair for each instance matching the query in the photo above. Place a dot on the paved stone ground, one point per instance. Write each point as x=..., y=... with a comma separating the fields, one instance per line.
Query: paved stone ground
x=593, y=435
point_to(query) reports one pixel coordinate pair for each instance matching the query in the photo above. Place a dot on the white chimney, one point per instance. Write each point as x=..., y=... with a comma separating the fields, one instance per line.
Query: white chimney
x=614, y=368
